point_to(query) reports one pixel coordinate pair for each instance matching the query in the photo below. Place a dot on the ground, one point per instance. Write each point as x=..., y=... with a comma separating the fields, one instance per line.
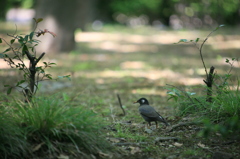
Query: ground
x=142, y=64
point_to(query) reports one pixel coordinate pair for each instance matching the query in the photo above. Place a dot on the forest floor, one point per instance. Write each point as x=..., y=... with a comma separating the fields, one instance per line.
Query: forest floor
x=143, y=64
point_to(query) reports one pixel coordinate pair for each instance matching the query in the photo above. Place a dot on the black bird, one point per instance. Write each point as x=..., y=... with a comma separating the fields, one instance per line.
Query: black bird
x=148, y=113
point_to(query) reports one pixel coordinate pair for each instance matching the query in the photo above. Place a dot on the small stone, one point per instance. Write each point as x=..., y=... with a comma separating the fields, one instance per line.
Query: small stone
x=149, y=131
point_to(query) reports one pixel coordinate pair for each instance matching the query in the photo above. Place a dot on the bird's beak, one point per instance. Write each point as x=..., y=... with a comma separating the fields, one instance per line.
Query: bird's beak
x=135, y=102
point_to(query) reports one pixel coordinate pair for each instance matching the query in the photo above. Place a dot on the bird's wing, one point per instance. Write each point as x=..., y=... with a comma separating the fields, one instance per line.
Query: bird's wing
x=160, y=116
x=162, y=119
x=148, y=111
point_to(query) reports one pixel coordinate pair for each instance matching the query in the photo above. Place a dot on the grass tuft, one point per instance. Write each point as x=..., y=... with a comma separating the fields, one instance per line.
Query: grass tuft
x=13, y=142
x=51, y=125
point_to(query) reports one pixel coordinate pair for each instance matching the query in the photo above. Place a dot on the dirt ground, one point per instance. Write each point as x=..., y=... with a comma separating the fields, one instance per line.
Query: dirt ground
x=141, y=65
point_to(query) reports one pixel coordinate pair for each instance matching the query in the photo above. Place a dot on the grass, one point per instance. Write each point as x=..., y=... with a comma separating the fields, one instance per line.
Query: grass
x=13, y=141
x=49, y=122
x=95, y=84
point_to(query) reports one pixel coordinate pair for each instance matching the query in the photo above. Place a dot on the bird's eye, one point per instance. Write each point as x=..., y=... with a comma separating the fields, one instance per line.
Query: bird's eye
x=143, y=101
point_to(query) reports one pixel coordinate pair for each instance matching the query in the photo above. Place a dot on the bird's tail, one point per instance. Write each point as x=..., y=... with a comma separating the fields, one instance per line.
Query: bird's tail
x=166, y=123
x=163, y=120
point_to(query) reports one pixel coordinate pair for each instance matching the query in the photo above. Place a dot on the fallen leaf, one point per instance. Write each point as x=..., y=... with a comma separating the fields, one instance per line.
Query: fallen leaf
x=149, y=131
x=63, y=157
x=103, y=155
x=114, y=140
x=36, y=148
x=202, y=145
x=177, y=144
x=135, y=150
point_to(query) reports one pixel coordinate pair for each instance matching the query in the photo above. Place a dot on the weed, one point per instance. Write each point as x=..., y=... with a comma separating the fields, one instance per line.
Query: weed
x=21, y=47
x=13, y=142
x=219, y=105
x=51, y=125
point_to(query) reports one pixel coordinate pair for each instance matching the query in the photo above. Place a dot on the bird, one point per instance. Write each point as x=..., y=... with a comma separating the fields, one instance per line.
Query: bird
x=148, y=113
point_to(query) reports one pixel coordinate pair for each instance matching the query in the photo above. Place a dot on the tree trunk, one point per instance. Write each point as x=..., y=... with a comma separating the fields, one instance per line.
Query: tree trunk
x=3, y=9
x=63, y=18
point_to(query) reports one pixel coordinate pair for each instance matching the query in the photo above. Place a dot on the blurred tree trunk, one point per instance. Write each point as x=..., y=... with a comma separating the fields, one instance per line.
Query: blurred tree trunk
x=63, y=18
x=3, y=9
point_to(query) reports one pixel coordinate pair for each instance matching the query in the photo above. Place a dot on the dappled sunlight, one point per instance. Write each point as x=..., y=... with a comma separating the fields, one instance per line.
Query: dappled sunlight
x=223, y=42
x=123, y=48
x=151, y=75
x=133, y=65
x=163, y=37
x=149, y=91
x=118, y=41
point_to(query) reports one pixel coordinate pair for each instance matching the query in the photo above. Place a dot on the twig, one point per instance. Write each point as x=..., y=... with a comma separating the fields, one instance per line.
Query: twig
x=183, y=124
x=130, y=143
x=209, y=83
x=200, y=50
x=120, y=103
x=165, y=139
x=32, y=70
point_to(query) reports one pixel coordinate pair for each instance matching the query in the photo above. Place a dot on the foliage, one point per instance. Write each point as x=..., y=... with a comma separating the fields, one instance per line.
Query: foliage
x=50, y=125
x=136, y=7
x=230, y=127
x=205, y=11
x=199, y=12
x=224, y=105
x=13, y=142
x=20, y=47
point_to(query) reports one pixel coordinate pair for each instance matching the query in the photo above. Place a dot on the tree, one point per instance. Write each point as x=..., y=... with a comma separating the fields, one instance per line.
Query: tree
x=63, y=18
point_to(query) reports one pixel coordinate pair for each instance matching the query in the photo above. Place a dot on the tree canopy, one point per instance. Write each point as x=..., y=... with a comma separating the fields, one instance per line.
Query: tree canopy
x=207, y=11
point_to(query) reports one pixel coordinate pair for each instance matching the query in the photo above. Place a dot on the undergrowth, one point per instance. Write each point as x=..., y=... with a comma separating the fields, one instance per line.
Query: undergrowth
x=50, y=126
x=219, y=108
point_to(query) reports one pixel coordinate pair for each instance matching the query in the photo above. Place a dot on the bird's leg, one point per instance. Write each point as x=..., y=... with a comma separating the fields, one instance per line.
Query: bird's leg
x=149, y=124
x=156, y=124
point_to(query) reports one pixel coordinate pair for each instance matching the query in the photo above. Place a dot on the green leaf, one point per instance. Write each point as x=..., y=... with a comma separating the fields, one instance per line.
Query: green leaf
x=67, y=76
x=12, y=41
x=31, y=35
x=8, y=49
x=219, y=26
x=6, y=85
x=26, y=37
x=20, y=40
x=25, y=48
x=20, y=82
x=0, y=40
x=48, y=76
x=9, y=90
x=182, y=40
x=38, y=20
x=197, y=40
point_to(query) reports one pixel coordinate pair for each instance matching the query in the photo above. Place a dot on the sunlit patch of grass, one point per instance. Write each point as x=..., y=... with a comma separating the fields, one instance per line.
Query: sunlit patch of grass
x=128, y=133
x=83, y=66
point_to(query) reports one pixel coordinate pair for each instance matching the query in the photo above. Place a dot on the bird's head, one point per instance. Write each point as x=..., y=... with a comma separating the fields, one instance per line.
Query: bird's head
x=142, y=101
